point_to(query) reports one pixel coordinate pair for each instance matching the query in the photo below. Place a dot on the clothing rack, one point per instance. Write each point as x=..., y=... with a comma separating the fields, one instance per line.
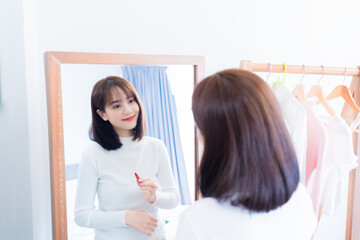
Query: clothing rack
x=298, y=69
x=323, y=70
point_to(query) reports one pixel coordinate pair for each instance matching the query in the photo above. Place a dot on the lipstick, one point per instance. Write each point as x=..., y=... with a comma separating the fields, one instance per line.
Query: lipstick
x=137, y=179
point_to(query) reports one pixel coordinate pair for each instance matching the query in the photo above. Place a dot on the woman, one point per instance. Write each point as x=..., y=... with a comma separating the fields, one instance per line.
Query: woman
x=127, y=205
x=248, y=175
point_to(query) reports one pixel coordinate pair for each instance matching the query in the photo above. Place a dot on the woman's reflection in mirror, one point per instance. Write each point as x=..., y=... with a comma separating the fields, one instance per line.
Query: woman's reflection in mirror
x=127, y=205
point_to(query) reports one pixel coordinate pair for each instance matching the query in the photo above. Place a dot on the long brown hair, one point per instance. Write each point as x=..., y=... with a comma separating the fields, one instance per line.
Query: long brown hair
x=102, y=131
x=248, y=156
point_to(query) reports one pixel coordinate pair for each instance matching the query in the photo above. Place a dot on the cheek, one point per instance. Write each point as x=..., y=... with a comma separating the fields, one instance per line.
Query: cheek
x=115, y=116
x=136, y=108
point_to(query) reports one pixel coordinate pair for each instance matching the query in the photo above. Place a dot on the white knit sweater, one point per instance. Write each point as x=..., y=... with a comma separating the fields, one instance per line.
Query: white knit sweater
x=110, y=176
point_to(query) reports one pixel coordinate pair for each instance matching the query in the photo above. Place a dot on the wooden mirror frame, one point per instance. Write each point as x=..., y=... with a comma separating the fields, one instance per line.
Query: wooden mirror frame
x=53, y=62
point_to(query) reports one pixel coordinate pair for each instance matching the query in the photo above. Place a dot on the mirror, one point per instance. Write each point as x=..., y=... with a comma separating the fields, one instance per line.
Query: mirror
x=70, y=77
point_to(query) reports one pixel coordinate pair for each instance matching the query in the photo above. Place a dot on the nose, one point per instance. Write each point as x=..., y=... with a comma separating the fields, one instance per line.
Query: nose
x=127, y=109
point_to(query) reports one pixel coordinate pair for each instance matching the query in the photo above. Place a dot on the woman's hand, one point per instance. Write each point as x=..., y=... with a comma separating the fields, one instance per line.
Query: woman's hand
x=141, y=221
x=148, y=187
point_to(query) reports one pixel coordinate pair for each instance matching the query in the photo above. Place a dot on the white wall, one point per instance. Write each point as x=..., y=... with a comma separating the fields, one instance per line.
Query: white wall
x=313, y=32
x=15, y=187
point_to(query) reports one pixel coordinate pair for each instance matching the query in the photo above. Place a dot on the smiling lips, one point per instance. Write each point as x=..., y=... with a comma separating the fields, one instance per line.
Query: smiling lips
x=129, y=119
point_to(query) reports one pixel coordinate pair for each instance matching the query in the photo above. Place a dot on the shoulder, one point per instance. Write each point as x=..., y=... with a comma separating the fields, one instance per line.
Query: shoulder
x=301, y=194
x=211, y=212
x=301, y=209
x=201, y=206
x=301, y=206
x=93, y=150
x=152, y=141
x=299, y=199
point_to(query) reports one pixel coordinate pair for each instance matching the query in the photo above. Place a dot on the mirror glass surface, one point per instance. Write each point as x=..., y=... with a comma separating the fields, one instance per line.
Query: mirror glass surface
x=77, y=81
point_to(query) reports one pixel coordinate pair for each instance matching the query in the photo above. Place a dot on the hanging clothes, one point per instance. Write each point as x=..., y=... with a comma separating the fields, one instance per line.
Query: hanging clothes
x=339, y=160
x=349, y=115
x=315, y=154
x=295, y=117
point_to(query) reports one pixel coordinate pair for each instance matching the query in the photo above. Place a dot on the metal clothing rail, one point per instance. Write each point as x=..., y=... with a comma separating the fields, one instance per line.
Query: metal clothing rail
x=298, y=69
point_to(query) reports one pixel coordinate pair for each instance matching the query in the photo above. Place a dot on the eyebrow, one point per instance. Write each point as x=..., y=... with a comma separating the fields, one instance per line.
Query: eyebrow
x=116, y=101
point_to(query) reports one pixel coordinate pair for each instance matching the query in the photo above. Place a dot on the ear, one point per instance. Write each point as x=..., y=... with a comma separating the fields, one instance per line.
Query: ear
x=102, y=115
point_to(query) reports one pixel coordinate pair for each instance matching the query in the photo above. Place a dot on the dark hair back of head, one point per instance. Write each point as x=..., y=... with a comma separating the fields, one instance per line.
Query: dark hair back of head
x=248, y=156
x=102, y=131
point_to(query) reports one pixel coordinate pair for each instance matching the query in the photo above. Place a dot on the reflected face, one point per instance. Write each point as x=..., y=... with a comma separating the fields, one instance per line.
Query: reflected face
x=122, y=112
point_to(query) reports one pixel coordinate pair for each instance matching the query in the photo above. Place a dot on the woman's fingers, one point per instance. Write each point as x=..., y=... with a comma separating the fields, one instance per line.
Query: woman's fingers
x=147, y=189
x=154, y=219
x=153, y=224
x=148, y=192
x=148, y=186
x=147, y=182
x=150, y=195
x=141, y=220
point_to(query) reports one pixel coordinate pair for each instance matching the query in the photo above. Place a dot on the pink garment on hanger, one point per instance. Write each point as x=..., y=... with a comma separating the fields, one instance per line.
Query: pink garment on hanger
x=315, y=155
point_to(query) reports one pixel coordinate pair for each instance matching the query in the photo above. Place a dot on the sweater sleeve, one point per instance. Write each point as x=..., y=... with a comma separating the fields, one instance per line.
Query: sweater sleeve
x=168, y=195
x=85, y=213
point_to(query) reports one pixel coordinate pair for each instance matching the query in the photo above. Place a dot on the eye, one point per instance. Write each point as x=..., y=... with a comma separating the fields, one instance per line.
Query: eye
x=116, y=106
x=131, y=100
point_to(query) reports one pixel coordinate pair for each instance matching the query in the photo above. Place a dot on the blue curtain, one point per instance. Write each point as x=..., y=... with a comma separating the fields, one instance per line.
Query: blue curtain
x=152, y=85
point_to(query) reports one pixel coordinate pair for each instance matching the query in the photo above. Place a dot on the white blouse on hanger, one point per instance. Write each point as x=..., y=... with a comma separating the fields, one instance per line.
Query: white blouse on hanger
x=295, y=117
x=339, y=160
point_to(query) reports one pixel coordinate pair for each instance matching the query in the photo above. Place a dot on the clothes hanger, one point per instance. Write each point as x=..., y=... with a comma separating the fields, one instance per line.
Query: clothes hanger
x=283, y=81
x=270, y=68
x=344, y=92
x=299, y=90
x=355, y=124
x=316, y=91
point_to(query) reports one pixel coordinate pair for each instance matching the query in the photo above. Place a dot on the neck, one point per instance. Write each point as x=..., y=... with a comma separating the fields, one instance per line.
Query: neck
x=124, y=133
